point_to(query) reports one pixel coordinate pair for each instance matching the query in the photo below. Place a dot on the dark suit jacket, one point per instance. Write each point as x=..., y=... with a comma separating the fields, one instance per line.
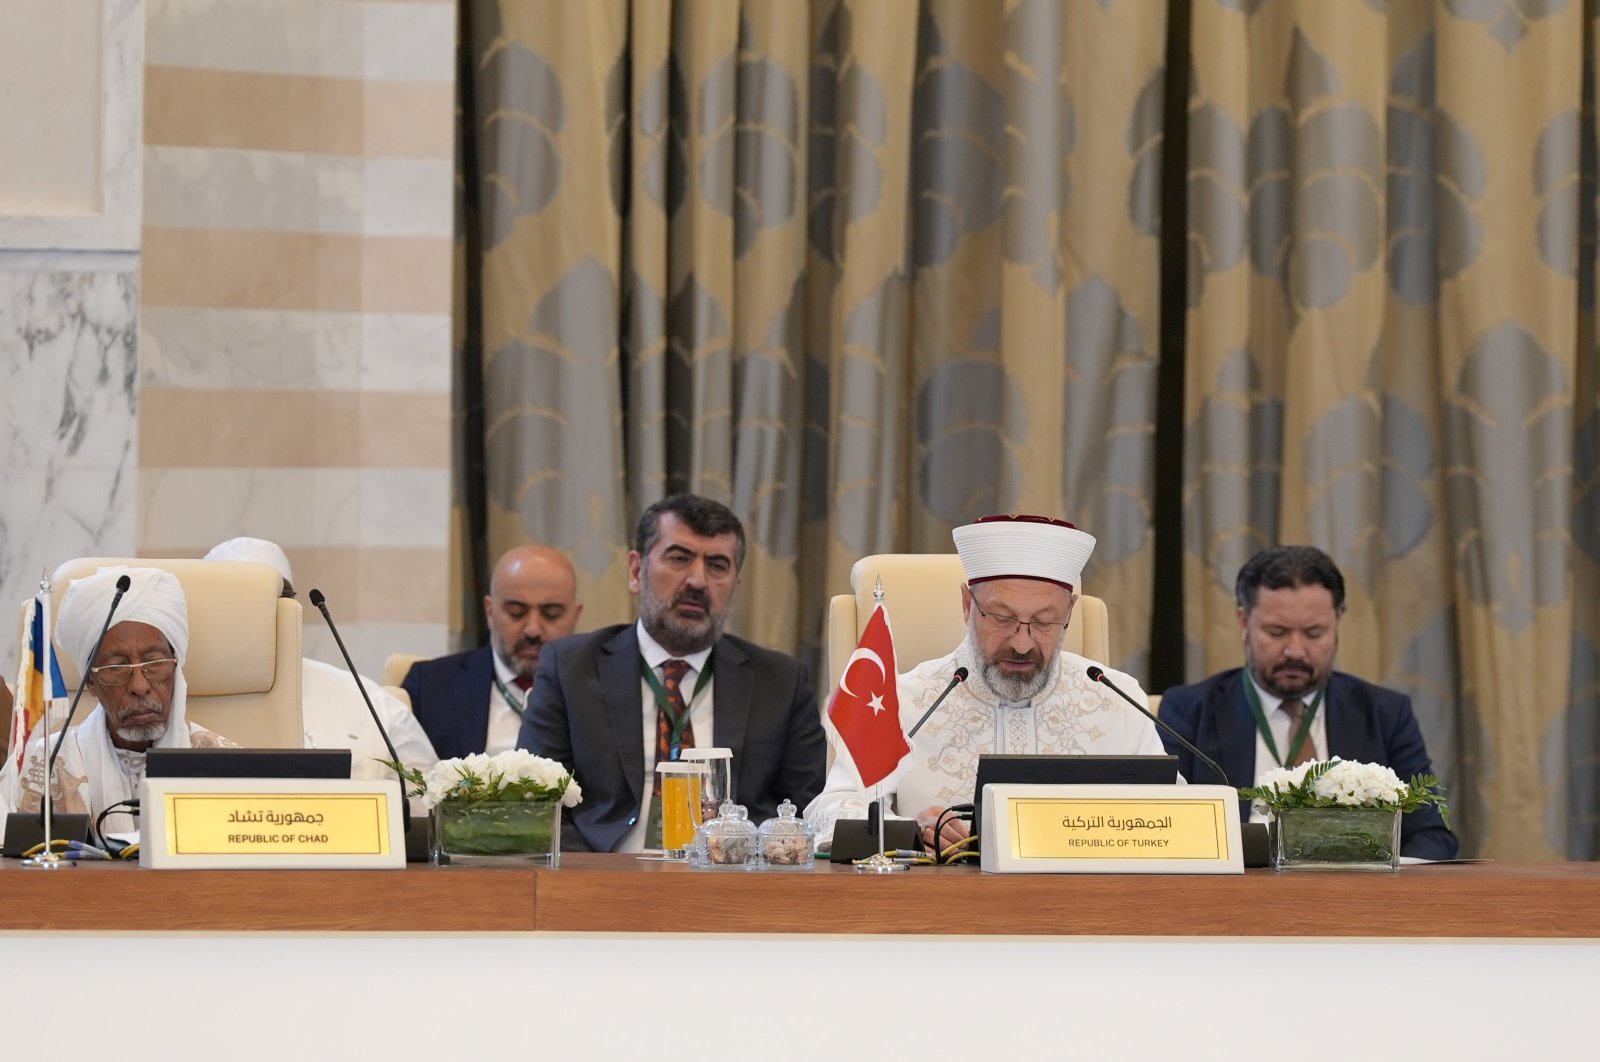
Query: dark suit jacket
x=1366, y=723
x=586, y=710
x=450, y=697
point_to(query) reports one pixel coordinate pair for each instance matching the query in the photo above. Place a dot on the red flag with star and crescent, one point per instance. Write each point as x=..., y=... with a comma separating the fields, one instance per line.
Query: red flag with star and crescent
x=866, y=707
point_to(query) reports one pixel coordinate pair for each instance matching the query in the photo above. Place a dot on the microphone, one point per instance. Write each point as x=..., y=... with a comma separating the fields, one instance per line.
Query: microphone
x=1096, y=674
x=47, y=803
x=88, y=665
x=874, y=812
x=321, y=604
x=955, y=680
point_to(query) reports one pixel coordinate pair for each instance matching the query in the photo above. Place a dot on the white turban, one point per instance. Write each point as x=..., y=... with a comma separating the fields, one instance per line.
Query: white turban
x=258, y=550
x=1023, y=547
x=154, y=597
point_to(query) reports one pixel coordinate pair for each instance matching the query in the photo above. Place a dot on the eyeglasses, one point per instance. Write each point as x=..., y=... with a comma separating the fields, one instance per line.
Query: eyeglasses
x=122, y=674
x=999, y=623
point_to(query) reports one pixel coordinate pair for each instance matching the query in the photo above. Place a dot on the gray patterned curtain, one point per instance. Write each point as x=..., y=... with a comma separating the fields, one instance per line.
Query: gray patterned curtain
x=1391, y=354
x=842, y=265
x=867, y=269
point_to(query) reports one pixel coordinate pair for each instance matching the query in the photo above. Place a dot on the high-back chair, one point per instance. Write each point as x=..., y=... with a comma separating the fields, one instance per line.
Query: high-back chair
x=922, y=592
x=243, y=665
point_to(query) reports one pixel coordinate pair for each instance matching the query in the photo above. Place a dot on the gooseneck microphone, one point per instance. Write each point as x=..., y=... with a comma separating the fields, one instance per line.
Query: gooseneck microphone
x=955, y=680
x=874, y=812
x=83, y=682
x=1097, y=674
x=321, y=604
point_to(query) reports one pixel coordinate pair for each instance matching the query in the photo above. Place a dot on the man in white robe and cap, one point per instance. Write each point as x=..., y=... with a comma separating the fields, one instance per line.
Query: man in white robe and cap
x=136, y=680
x=1025, y=694
x=331, y=707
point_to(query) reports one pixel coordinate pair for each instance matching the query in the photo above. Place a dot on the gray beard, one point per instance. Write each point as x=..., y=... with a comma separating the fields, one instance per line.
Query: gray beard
x=150, y=732
x=1008, y=688
x=678, y=641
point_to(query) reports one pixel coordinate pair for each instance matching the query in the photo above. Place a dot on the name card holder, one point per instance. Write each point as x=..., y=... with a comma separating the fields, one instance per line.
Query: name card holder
x=1111, y=829
x=270, y=823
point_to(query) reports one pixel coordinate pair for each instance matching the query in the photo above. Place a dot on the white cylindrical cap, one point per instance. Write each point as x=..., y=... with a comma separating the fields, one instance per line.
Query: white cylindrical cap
x=680, y=767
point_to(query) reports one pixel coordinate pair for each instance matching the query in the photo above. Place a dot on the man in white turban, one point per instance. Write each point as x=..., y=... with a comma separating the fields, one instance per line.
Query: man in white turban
x=1025, y=694
x=136, y=680
x=331, y=707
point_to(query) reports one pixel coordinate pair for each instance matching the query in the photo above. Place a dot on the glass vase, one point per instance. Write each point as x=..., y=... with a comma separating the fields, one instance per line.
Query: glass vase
x=1336, y=839
x=497, y=833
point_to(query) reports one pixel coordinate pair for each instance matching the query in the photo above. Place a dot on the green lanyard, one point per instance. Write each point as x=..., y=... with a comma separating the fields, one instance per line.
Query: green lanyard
x=1298, y=740
x=511, y=702
x=680, y=723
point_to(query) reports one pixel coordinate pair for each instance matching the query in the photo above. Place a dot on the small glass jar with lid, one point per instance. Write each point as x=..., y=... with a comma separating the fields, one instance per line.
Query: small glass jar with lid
x=787, y=842
x=729, y=840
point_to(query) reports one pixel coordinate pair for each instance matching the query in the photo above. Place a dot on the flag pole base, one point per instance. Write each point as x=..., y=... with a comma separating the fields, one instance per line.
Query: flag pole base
x=48, y=861
x=879, y=864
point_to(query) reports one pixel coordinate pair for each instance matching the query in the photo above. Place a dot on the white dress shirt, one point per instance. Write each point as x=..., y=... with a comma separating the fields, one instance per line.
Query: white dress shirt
x=505, y=722
x=1278, y=722
x=700, y=718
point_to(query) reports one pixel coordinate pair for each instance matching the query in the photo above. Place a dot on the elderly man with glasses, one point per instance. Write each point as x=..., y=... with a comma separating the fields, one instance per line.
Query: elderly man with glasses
x=1025, y=694
x=137, y=680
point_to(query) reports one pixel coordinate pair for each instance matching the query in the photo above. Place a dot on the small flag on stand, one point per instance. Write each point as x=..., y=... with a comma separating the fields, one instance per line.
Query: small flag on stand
x=866, y=707
x=39, y=680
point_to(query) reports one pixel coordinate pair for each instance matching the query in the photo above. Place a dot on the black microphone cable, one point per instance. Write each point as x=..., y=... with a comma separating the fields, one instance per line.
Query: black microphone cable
x=942, y=853
x=99, y=834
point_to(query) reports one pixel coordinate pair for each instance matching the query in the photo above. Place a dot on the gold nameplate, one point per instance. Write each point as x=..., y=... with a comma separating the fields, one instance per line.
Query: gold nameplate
x=1163, y=829
x=291, y=823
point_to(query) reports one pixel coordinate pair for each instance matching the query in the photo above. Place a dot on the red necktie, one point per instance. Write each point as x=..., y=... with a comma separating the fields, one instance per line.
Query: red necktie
x=672, y=673
x=524, y=682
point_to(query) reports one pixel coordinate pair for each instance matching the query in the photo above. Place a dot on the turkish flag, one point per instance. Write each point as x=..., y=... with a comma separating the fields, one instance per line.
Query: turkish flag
x=866, y=706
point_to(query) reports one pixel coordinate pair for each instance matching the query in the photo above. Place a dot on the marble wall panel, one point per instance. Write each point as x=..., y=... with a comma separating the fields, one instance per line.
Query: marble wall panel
x=109, y=41
x=68, y=418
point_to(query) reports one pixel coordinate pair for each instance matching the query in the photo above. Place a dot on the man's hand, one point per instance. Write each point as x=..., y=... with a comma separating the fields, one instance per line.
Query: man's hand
x=953, y=831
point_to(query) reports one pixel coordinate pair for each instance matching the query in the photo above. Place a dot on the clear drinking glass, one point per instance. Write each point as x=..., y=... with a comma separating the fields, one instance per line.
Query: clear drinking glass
x=718, y=787
x=681, y=785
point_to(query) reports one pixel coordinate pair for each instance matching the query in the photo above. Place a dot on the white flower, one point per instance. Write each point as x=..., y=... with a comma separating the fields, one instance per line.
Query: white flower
x=1359, y=785
x=516, y=772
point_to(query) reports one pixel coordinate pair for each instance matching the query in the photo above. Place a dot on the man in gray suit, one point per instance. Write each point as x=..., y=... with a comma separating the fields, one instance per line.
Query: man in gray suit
x=612, y=703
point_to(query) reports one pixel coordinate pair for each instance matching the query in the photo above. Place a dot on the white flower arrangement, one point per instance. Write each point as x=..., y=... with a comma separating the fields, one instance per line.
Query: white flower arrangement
x=1344, y=783
x=514, y=775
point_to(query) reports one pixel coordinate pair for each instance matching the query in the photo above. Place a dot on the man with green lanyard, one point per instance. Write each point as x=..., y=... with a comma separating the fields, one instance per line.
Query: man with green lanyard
x=1287, y=705
x=612, y=703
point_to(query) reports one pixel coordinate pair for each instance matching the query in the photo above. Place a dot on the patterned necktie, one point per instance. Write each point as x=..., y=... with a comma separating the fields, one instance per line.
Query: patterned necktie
x=672, y=673
x=1296, y=710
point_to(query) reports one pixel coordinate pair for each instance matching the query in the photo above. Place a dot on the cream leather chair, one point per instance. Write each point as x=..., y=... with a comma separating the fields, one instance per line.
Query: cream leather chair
x=397, y=666
x=395, y=670
x=922, y=592
x=243, y=667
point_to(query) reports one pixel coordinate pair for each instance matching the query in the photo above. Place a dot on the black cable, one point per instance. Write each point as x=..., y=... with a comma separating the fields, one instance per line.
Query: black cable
x=954, y=811
x=100, y=838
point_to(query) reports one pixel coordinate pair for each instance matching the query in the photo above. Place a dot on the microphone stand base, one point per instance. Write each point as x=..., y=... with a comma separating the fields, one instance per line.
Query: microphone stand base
x=879, y=864
x=48, y=861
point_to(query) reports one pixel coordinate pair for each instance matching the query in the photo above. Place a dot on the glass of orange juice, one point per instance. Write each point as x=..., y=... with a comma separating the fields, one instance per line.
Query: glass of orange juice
x=681, y=784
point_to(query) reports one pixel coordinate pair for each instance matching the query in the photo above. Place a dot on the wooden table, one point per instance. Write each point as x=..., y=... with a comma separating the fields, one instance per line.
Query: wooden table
x=622, y=894
x=1469, y=961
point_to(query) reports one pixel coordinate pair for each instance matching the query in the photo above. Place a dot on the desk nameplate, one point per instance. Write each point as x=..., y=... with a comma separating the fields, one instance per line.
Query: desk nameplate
x=259, y=823
x=1111, y=829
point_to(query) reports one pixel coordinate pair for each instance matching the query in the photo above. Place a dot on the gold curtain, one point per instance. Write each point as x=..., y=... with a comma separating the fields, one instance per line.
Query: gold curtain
x=863, y=270
x=1390, y=288
x=866, y=269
